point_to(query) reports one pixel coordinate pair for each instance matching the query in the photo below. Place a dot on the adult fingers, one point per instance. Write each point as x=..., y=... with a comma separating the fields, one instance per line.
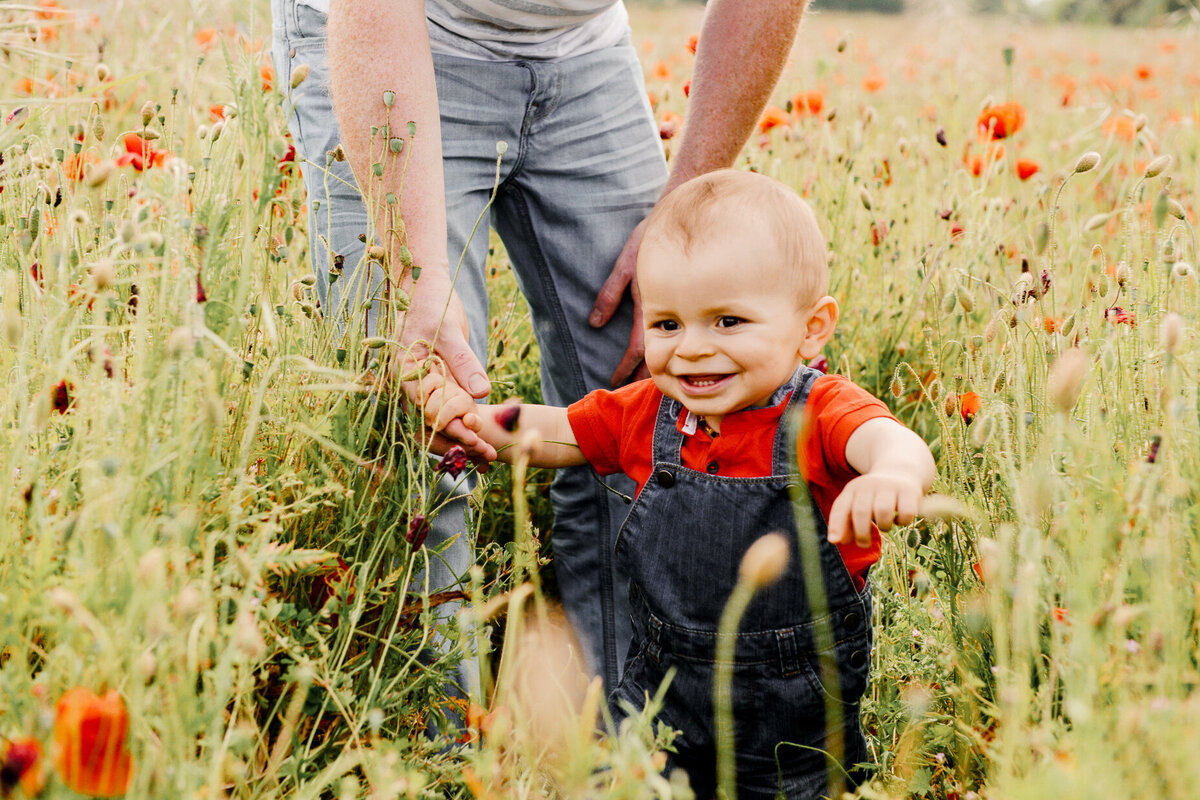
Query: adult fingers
x=464, y=367
x=613, y=290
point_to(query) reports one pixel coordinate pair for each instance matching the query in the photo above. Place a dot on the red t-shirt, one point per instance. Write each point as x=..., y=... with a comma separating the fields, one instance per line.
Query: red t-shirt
x=615, y=431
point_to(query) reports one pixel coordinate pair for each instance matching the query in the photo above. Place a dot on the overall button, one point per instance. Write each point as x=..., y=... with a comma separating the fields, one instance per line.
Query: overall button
x=666, y=478
x=852, y=621
x=713, y=467
x=858, y=659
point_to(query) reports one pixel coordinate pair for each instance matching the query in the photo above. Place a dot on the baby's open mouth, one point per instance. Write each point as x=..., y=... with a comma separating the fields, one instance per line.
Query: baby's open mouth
x=701, y=383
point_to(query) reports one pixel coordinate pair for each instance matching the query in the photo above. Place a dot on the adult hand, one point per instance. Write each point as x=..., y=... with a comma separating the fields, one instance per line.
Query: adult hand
x=624, y=275
x=435, y=352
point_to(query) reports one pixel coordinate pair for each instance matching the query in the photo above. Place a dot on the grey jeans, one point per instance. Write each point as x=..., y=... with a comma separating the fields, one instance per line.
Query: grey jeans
x=584, y=165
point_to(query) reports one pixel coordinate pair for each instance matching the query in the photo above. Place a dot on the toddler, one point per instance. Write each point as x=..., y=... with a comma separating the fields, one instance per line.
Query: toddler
x=732, y=276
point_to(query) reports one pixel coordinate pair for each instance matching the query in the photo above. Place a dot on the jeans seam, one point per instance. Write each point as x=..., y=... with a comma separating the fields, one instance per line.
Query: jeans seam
x=607, y=623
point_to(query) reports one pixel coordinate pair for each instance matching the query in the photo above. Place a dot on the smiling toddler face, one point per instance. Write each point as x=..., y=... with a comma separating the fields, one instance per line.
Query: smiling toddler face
x=728, y=295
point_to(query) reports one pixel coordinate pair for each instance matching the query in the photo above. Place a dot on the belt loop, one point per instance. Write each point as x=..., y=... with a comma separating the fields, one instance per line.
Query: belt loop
x=789, y=652
x=653, y=636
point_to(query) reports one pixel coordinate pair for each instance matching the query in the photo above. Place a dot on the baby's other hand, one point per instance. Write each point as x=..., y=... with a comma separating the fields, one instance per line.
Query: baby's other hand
x=884, y=498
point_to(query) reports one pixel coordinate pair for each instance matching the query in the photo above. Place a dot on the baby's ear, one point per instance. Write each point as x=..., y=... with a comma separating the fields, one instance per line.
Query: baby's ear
x=822, y=320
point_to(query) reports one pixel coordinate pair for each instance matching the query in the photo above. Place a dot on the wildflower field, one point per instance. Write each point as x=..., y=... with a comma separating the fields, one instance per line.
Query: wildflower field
x=211, y=517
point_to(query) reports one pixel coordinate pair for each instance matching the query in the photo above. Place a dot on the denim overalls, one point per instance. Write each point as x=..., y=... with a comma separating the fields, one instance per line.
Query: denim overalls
x=682, y=544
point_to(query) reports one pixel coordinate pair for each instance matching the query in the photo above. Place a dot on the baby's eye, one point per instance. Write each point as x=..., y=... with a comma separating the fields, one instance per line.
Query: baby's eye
x=667, y=325
x=729, y=321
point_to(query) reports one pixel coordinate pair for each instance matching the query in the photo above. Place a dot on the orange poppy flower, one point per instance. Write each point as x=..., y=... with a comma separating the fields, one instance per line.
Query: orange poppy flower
x=772, y=116
x=1027, y=168
x=1000, y=121
x=49, y=9
x=90, y=732
x=661, y=71
x=206, y=38
x=813, y=101
x=1144, y=72
x=693, y=40
x=969, y=404
x=979, y=162
x=267, y=74
x=75, y=164
x=217, y=112
x=1120, y=126
x=874, y=82
x=140, y=154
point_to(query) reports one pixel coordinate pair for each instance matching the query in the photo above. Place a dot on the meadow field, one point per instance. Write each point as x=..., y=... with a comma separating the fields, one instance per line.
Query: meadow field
x=212, y=518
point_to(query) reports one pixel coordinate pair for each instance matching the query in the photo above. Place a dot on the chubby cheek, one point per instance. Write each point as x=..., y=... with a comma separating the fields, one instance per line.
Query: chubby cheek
x=657, y=354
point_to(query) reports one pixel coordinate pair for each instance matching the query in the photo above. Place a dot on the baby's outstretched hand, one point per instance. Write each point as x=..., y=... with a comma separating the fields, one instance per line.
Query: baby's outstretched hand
x=885, y=498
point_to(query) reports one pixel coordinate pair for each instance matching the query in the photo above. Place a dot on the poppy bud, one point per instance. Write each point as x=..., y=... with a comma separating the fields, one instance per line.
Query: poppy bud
x=377, y=253
x=1170, y=332
x=1087, y=162
x=948, y=302
x=865, y=197
x=1103, y=285
x=1139, y=122
x=454, y=461
x=98, y=128
x=897, y=387
x=992, y=330
x=418, y=530
x=299, y=74
x=1122, y=273
x=1097, y=221
x=964, y=299
x=1175, y=209
x=842, y=42
x=103, y=73
x=1182, y=269
x=148, y=112
x=1157, y=166
x=765, y=561
x=247, y=638
x=1066, y=379
x=983, y=430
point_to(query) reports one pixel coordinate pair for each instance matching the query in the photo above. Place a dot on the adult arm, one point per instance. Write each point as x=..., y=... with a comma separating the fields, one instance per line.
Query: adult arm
x=743, y=47
x=378, y=46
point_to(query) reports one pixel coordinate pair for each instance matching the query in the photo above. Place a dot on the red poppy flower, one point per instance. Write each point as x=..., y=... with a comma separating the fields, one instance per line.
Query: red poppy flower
x=1000, y=121
x=693, y=40
x=62, y=396
x=21, y=766
x=1027, y=168
x=90, y=732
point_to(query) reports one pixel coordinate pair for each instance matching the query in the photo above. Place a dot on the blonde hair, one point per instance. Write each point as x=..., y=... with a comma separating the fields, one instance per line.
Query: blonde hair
x=703, y=207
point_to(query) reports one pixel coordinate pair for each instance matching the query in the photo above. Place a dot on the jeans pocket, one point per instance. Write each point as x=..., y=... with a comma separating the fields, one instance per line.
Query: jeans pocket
x=308, y=24
x=851, y=661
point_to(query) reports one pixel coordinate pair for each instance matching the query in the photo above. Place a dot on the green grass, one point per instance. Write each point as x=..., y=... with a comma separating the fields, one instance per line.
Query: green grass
x=173, y=530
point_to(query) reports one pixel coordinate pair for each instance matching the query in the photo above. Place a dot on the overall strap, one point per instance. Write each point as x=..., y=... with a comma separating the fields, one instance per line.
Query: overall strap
x=802, y=383
x=668, y=439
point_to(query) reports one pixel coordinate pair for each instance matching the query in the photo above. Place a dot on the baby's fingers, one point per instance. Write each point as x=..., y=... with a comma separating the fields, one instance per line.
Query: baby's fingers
x=907, y=507
x=861, y=514
x=839, y=514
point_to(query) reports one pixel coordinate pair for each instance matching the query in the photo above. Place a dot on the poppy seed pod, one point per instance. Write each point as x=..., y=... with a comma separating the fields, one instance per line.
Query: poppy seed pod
x=1066, y=379
x=299, y=74
x=1087, y=162
x=1122, y=273
x=1157, y=166
x=1170, y=332
x=765, y=561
